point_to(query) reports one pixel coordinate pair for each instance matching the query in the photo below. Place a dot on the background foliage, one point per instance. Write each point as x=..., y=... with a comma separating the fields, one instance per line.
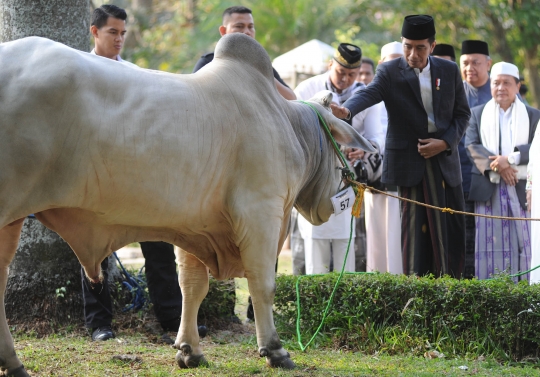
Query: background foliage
x=172, y=34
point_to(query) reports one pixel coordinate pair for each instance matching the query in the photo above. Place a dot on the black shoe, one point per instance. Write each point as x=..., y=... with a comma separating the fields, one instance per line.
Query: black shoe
x=171, y=325
x=166, y=339
x=250, y=312
x=203, y=330
x=102, y=333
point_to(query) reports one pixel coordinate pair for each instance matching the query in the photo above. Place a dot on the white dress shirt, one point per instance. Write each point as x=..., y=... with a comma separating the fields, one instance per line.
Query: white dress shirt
x=427, y=95
x=505, y=124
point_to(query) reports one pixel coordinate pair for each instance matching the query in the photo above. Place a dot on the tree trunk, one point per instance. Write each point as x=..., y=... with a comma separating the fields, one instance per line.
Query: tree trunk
x=191, y=13
x=64, y=21
x=531, y=64
x=141, y=10
x=44, y=283
x=499, y=40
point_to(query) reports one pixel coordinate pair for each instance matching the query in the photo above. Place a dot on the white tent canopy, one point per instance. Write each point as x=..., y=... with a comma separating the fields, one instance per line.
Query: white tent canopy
x=311, y=58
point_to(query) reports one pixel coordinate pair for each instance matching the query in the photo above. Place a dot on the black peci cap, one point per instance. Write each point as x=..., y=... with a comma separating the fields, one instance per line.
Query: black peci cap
x=418, y=26
x=348, y=55
x=444, y=50
x=474, y=47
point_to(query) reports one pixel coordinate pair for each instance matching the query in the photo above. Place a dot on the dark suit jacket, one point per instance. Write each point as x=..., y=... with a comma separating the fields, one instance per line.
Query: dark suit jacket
x=398, y=86
x=481, y=187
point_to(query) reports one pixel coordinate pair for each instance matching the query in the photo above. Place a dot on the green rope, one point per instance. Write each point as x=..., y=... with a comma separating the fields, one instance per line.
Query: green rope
x=329, y=133
x=524, y=272
x=325, y=313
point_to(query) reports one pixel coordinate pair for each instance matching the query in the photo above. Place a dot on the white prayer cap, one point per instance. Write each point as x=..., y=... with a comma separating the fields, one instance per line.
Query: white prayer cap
x=503, y=68
x=391, y=49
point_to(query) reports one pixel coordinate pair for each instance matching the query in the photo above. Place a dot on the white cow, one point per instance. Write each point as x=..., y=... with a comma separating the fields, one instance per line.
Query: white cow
x=212, y=162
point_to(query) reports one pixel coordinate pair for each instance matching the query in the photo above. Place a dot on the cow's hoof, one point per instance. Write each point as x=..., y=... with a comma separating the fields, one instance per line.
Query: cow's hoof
x=17, y=372
x=284, y=362
x=186, y=359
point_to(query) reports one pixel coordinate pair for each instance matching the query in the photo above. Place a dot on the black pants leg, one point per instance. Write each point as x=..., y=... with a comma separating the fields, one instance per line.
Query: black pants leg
x=162, y=279
x=97, y=299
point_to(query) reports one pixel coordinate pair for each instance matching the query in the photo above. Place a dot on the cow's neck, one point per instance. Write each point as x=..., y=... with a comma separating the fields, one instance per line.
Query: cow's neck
x=320, y=176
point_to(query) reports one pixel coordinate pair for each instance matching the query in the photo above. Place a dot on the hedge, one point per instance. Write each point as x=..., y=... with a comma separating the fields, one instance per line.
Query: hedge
x=397, y=313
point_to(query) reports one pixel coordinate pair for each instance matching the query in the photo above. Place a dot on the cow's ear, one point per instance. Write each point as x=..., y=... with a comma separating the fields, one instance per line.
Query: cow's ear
x=346, y=135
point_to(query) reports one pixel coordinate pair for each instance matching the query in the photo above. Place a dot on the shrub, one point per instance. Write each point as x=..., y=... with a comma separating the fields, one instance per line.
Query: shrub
x=397, y=313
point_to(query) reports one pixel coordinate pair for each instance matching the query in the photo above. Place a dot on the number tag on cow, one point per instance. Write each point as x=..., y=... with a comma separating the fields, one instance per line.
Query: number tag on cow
x=343, y=200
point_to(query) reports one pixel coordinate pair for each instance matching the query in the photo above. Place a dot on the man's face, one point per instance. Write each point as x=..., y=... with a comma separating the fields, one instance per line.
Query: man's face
x=416, y=52
x=475, y=68
x=342, y=77
x=504, y=89
x=109, y=39
x=238, y=23
x=366, y=73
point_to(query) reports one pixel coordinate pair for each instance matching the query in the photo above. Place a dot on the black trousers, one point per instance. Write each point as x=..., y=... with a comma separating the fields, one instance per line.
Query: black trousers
x=163, y=287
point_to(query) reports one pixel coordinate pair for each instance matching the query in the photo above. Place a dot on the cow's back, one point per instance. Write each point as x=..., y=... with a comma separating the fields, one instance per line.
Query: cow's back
x=104, y=136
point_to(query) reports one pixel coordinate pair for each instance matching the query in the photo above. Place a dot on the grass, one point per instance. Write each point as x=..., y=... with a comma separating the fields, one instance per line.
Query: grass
x=229, y=354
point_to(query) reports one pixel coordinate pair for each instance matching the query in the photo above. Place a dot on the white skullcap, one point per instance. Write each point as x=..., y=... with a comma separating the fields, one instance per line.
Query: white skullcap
x=503, y=68
x=390, y=49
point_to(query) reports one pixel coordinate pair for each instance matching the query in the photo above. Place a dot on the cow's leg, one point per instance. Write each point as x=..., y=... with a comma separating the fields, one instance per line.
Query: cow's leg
x=193, y=279
x=260, y=262
x=9, y=240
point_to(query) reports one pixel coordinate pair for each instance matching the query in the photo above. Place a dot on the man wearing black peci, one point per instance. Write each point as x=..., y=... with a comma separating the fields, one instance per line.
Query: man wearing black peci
x=427, y=116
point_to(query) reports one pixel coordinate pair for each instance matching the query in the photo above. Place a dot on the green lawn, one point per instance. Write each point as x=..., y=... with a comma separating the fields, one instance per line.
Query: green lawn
x=229, y=354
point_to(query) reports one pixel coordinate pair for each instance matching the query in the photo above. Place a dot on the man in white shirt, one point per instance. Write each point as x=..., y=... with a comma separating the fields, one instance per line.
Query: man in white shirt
x=383, y=223
x=367, y=71
x=331, y=238
x=498, y=141
x=109, y=29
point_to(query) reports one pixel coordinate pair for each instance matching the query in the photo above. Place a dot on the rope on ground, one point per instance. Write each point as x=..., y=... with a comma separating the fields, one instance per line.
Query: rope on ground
x=136, y=286
x=364, y=187
x=330, y=300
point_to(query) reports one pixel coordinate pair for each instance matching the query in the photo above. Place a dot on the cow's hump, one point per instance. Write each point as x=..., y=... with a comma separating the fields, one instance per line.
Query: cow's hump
x=238, y=46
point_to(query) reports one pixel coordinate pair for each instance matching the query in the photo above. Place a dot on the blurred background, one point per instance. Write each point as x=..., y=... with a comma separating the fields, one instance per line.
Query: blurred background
x=171, y=35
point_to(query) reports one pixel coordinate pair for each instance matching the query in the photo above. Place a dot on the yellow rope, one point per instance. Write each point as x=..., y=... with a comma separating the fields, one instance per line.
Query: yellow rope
x=359, y=188
x=357, y=207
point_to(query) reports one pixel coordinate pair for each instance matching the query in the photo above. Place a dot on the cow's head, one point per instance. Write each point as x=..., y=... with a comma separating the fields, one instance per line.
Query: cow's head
x=313, y=201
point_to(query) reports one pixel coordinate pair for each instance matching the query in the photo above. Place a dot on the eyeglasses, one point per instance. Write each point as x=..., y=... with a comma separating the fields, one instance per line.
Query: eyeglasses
x=474, y=63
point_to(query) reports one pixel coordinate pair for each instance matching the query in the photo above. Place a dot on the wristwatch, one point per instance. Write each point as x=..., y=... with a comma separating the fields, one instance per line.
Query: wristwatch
x=512, y=159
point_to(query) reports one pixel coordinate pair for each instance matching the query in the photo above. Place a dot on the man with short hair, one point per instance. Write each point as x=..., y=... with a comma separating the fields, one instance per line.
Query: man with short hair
x=239, y=19
x=475, y=64
x=108, y=28
x=427, y=116
x=331, y=238
x=367, y=71
x=498, y=142
x=444, y=51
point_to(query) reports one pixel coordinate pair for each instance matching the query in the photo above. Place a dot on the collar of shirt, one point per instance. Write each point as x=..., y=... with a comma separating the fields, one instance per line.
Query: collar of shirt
x=425, y=71
x=118, y=58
